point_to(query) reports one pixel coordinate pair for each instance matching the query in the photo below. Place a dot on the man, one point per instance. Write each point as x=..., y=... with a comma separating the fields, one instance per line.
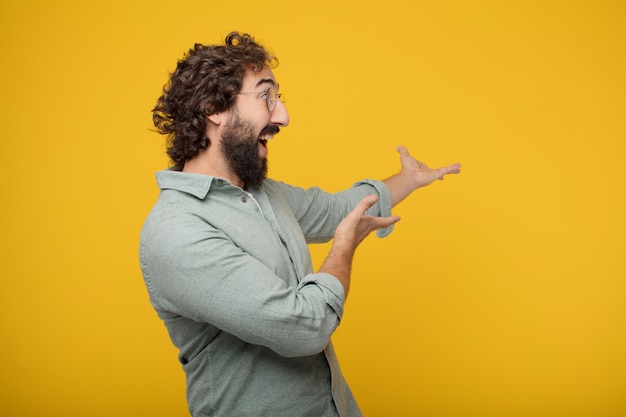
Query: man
x=224, y=251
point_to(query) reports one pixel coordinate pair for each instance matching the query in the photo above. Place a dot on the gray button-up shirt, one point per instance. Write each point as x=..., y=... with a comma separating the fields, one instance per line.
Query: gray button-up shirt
x=230, y=274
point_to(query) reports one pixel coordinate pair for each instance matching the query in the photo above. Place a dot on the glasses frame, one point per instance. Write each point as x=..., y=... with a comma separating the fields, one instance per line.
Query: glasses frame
x=270, y=102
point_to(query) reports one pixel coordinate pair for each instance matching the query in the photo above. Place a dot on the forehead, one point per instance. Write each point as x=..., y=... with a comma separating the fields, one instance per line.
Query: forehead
x=259, y=80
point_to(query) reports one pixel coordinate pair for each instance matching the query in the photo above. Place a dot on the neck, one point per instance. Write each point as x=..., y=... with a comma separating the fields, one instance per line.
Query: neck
x=209, y=162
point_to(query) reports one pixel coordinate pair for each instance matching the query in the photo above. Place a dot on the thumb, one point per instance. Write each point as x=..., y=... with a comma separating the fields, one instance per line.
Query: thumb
x=366, y=203
x=402, y=150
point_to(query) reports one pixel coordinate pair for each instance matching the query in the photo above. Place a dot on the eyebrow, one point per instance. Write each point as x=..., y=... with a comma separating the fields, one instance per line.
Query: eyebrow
x=266, y=80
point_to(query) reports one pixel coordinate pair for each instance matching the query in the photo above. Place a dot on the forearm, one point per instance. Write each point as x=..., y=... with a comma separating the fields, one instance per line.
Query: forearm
x=400, y=187
x=338, y=263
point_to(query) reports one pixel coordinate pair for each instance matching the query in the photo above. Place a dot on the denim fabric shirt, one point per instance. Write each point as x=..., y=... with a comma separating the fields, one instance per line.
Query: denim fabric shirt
x=229, y=272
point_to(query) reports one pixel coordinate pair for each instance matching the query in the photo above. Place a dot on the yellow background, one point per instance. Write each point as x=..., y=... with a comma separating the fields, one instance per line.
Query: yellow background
x=500, y=293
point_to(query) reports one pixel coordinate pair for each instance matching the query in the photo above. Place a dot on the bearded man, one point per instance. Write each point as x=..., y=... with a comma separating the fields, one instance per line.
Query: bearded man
x=224, y=250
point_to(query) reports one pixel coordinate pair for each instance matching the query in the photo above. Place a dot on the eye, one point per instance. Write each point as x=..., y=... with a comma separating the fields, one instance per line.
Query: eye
x=270, y=95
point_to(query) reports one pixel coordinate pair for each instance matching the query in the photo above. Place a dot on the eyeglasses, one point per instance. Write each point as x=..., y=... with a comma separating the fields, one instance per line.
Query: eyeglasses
x=270, y=96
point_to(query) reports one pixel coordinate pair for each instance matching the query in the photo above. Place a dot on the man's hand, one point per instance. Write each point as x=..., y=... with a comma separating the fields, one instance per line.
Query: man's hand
x=355, y=226
x=413, y=175
x=349, y=234
x=421, y=174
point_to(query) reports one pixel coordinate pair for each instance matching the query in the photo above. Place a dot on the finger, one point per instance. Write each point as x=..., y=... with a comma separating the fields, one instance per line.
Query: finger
x=455, y=168
x=403, y=151
x=451, y=169
x=365, y=204
x=384, y=222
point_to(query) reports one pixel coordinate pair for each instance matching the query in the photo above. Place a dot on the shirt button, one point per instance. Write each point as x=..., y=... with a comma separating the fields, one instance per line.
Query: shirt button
x=244, y=199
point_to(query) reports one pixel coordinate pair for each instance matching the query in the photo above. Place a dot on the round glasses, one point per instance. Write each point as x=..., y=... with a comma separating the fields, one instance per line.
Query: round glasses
x=270, y=96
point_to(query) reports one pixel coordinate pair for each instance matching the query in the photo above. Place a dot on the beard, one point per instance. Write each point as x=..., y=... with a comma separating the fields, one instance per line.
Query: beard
x=240, y=148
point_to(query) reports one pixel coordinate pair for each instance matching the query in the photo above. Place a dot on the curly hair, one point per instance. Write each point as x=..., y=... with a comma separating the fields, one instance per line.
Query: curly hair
x=206, y=81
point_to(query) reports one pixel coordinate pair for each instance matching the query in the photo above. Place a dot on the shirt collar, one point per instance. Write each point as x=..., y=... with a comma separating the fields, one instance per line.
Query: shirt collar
x=197, y=185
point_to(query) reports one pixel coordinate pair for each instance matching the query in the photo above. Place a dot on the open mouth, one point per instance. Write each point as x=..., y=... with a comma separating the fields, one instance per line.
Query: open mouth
x=264, y=138
x=267, y=134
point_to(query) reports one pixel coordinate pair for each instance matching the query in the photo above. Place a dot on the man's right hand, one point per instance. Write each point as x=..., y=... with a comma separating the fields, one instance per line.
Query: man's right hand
x=349, y=234
x=356, y=226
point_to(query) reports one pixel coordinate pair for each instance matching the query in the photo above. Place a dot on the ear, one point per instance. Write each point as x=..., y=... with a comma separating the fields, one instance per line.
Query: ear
x=217, y=118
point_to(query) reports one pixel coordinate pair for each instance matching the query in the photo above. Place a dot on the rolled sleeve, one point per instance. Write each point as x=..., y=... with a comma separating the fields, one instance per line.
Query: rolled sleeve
x=330, y=287
x=384, y=203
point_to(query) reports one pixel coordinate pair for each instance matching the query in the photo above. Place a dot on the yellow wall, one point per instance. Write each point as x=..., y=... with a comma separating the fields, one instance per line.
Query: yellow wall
x=500, y=293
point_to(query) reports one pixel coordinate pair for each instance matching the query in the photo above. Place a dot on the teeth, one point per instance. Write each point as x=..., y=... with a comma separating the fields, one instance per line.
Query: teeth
x=266, y=137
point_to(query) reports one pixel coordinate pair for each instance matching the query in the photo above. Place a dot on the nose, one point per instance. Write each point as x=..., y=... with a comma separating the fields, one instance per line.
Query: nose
x=280, y=116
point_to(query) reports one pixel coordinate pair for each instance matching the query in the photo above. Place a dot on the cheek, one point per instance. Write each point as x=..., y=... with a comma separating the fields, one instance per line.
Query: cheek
x=263, y=119
x=260, y=123
x=256, y=115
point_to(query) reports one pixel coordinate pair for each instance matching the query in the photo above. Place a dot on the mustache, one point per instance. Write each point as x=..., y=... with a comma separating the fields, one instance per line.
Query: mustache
x=270, y=129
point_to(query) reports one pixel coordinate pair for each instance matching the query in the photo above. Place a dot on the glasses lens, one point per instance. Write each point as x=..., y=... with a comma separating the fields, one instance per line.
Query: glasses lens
x=271, y=99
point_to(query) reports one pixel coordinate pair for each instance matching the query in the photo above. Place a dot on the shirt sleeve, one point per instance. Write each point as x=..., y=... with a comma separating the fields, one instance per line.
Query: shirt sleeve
x=319, y=212
x=383, y=205
x=197, y=272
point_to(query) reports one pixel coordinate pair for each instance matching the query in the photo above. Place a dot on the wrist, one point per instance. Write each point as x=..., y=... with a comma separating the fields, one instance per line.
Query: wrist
x=338, y=263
